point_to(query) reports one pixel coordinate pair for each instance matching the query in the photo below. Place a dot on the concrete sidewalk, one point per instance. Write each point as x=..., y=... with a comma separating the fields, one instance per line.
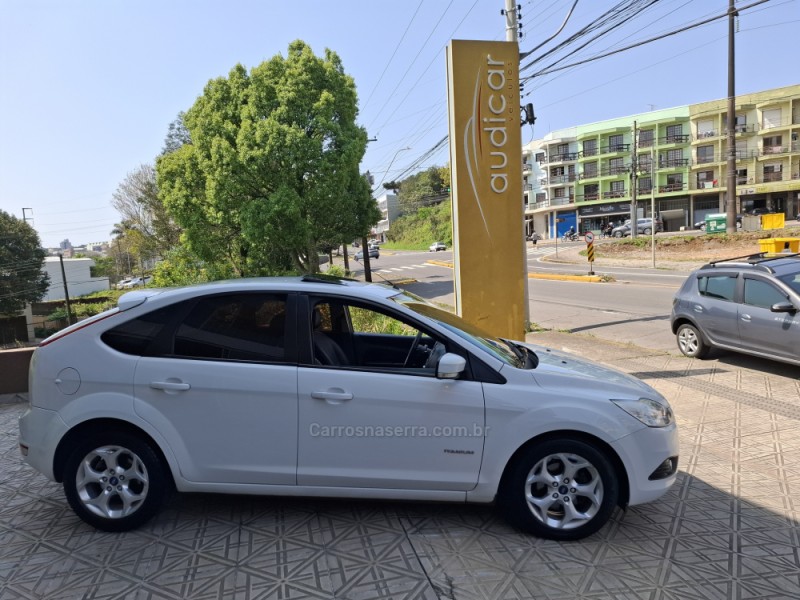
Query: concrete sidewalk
x=728, y=528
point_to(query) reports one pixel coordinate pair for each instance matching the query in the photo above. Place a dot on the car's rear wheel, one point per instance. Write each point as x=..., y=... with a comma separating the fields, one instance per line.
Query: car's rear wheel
x=115, y=481
x=690, y=341
x=559, y=489
x=617, y=234
x=648, y=231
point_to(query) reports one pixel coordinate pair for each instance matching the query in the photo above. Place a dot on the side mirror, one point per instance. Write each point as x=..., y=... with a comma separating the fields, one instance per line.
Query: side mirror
x=450, y=366
x=783, y=307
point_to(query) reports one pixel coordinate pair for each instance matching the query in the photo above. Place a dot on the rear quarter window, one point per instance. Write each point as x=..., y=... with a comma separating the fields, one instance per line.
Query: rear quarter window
x=136, y=335
x=721, y=287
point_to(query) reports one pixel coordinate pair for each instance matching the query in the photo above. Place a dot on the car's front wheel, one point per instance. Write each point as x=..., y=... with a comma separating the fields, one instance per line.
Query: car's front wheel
x=559, y=489
x=115, y=481
x=690, y=341
x=617, y=234
x=648, y=231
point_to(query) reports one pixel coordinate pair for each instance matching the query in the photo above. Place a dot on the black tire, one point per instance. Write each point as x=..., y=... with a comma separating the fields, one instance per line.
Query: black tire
x=559, y=464
x=691, y=342
x=115, y=467
x=618, y=234
x=648, y=231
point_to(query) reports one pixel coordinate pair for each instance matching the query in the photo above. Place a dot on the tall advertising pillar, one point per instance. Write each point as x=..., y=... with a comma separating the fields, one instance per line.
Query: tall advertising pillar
x=486, y=183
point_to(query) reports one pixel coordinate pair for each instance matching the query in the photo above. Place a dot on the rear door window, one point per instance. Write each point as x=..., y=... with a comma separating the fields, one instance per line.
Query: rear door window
x=722, y=287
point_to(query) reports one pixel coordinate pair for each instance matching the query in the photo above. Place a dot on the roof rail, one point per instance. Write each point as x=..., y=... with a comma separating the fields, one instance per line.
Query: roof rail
x=755, y=260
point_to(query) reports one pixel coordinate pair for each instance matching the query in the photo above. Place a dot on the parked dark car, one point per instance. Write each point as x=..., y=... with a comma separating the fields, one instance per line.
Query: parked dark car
x=748, y=304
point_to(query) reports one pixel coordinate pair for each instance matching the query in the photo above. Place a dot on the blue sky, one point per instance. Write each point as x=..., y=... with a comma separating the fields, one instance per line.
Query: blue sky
x=89, y=87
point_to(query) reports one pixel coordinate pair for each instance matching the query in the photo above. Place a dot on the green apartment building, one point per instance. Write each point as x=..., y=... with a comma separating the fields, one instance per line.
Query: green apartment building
x=672, y=160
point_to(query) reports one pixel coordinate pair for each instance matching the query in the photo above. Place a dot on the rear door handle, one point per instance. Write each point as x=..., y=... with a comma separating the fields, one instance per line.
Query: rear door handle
x=698, y=308
x=746, y=317
x=170, y=386
x=334, y=396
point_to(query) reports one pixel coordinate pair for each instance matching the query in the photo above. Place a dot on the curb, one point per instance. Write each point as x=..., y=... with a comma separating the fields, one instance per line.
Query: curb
x=556, y=277
x=440, y=263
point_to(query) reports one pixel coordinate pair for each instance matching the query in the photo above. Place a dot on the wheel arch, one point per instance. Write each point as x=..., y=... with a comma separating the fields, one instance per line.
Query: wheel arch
x=685, y=321
x=580, y=436
x=92, y=426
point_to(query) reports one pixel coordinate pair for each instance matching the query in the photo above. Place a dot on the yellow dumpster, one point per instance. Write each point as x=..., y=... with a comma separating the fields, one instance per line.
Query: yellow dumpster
x=776, y=245
x=773, y=221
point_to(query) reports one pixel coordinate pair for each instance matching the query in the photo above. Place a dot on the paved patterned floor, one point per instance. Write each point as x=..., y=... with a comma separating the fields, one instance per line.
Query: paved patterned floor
x=728, y=529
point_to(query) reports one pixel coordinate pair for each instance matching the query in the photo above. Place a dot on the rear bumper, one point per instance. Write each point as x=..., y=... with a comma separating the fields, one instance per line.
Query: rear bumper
x=40, y=431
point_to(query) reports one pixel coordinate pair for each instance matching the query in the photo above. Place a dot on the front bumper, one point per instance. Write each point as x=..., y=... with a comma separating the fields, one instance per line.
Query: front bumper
x=643, y=454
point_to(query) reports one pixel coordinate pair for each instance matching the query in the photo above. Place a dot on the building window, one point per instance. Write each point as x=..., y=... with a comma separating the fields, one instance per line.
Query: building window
x=773, y=172
x=772, y=144
x=617, y=189
x=560, y=193
x=616, y=165
x=540, y=197
x=645, y=184
x=591, y=192
x=645, y=138
x=590, y=169
x=771, y=118
x=615, y=143
x=590, y=147
x=705, y=129
x=540, y=157
x=705, y=154
x=645, y=162
x=563, y=149
x=675, y=133
x=705, y=179
x=741, y=177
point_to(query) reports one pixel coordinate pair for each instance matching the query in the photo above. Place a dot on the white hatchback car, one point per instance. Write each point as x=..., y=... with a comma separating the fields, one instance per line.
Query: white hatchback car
x=325, y=387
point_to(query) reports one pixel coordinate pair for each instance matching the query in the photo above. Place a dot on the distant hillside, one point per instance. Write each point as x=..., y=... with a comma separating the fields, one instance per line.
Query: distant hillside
x=420, y=229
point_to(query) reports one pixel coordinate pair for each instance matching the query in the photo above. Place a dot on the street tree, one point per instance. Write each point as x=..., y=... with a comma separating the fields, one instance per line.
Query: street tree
x=271, y=173
x=137, y=201
x=22, y=276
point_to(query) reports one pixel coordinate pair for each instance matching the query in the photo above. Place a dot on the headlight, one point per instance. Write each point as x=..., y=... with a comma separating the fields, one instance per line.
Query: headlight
x=649, y=412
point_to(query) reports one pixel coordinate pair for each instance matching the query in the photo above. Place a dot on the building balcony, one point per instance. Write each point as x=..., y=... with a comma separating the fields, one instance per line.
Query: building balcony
x=706, y=135
x=772, y=177
x=768, y=150
x=588, y=153
x=615, y=194
x=782, y=124
x=587, y=197
x=563, y=157
x=606, y=171
x=706, y=185
x=526, y=166
x=646, y=143
x=704, y=160
x=671, y=187
x=527, y=187
x=552, y=202
x=590, y=175
x=744, y=129
x=556, y=179
x=674, y=139
x=673, y=163
x=614, y=148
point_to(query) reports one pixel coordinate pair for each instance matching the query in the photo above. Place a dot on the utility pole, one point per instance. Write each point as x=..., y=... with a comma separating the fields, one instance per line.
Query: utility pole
x=634, y=183
x=66, y=290
x=730, y=201
x=512, y=26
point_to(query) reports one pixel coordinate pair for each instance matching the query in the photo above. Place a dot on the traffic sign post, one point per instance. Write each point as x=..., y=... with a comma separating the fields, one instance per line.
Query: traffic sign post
x=590, y=250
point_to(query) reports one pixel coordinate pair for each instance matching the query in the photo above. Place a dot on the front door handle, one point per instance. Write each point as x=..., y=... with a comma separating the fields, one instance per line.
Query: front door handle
x=170, y=386
x=333, y=395
x=746, y=317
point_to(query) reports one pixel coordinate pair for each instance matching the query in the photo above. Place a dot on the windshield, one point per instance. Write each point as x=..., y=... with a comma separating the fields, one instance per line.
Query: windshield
x=504, y=350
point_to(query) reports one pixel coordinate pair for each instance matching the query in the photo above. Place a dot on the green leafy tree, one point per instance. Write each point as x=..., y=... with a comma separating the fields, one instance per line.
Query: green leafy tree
x=22, y=278
x=271, y=173
x=423, y=189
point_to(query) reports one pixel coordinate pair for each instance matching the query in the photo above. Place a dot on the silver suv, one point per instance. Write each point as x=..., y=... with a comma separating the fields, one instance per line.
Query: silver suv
x=643, y=227
x=747, y=304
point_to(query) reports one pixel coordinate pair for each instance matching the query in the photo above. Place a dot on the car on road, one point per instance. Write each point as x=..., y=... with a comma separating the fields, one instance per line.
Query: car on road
x=437, y=246
x=643, y=227
x=123, y=283
x=136, y=282
x=373, y=253
x=315, y=386
x=749, y=305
